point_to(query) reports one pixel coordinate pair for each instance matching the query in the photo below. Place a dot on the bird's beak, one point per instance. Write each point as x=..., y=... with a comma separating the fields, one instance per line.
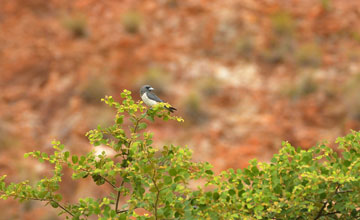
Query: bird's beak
x=151, y=88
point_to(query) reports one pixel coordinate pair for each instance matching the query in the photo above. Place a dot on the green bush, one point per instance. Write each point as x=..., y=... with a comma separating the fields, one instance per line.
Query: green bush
x=283, y=23
x=297, y=184
x=303, y=86
x=309, y=55
x=132, y=22
x=94, y=88
x=76, y=24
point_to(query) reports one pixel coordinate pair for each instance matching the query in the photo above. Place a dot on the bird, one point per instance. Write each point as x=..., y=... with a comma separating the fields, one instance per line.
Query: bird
x=150, y=98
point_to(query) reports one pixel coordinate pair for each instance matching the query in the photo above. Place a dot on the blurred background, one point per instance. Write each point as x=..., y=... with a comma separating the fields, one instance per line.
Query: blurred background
x=245, y=75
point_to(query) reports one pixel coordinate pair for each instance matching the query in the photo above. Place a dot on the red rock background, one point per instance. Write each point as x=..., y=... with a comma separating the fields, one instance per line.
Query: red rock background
x=245, y=75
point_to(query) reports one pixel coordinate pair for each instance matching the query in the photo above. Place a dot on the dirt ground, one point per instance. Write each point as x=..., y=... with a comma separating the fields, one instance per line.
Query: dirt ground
x=245, y=75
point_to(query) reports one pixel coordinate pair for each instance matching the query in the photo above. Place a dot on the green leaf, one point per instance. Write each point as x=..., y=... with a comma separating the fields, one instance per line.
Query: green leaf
x=58, y=197
x=210, y=172
x=247, y=181
x=307, y=158
x=120, y=119
x=240, y=185
x=151, y=118
x=277, y=189
x=74, y=159
x=99, y=180
x=66, y=155
x=142, y=125
x=54, y=204
x=123, y=216
x=323, y=195
x=42, y=194
x=216, y=196
x=347, y=163
x=255, y=170
x=177, y=179
x=172, y=172
x=232, y=192
x=248, y=172
x=346, y=155
x=259, y=208
x=153, y=189
x=240, y=193
x=167, y=180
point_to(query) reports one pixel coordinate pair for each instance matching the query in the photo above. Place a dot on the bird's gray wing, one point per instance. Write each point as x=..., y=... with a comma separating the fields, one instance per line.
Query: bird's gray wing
x=154, y=97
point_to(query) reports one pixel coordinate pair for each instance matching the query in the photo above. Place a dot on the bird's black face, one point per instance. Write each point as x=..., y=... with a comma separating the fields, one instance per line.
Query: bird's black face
x=145, y=88
x=149, y=88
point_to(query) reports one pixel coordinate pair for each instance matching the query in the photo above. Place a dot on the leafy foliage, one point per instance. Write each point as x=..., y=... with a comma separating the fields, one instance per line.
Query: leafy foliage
x=297, y=184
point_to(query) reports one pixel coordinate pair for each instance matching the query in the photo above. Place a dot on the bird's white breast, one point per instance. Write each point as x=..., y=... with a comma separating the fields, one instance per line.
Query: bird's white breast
x=148, y=101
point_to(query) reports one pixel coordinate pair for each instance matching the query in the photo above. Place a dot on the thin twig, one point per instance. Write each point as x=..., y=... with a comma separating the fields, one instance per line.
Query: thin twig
x=325, y=203
x=157, y=195
x=135, y=128
x=90, y=173
x=332, y=213
x=345, y=191
x=321, y=210
x=122, y=183
x=45, y=200
x=118, y=199
x=63, y=208
x=106, y=180
x=156, y=203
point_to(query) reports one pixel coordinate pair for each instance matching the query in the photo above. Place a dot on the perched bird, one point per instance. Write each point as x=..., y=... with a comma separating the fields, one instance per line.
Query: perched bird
x=150, y=98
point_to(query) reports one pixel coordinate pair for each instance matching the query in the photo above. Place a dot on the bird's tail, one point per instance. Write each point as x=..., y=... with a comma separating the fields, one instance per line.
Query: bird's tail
x=171, y=109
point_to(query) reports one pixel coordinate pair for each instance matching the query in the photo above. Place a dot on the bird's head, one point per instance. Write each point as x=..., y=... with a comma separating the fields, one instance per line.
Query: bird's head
x=146, y=88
